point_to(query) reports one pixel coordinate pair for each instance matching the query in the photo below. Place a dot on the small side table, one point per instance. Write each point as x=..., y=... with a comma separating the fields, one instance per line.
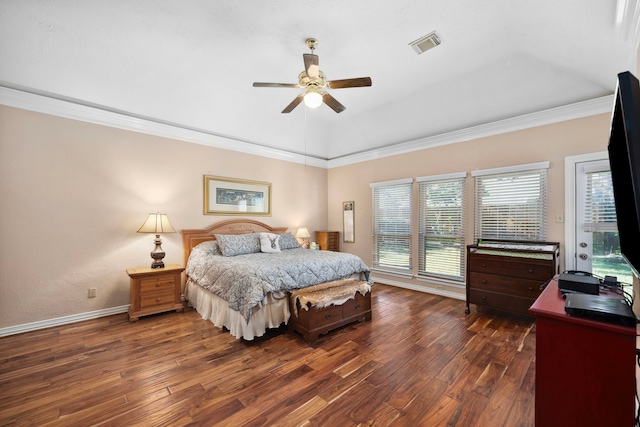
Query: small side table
x=155, y=290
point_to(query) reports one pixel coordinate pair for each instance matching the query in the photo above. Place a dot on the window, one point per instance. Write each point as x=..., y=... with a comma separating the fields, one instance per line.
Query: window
x=392, y=225
x=441, y=213
x=511, y=203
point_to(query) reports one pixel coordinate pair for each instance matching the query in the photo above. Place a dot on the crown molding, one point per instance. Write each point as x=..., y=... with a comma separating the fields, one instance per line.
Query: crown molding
x=554, y=115
x=76, y=110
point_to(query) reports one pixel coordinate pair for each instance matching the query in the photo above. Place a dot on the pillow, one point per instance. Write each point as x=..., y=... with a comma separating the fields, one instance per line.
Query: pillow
x=269, y=242
x=232, y=245
x=210, y=247
x=287, y=241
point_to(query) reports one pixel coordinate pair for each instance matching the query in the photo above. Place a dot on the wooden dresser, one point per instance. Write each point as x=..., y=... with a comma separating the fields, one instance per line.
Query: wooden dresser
x=507, y=274
x=155, y=290
x=328, y=240
x=585, y=369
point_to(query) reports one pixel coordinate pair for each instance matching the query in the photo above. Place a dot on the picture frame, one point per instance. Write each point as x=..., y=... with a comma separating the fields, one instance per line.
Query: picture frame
x=348, y=222
x=231, y=196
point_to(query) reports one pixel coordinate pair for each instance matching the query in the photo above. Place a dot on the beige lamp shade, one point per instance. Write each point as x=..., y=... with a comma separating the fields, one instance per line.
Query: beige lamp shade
x=157, y=223
x=303, y=233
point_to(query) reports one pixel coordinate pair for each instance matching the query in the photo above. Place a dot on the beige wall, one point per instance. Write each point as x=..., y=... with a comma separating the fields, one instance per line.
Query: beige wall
x=73, y=195
x=546, y=143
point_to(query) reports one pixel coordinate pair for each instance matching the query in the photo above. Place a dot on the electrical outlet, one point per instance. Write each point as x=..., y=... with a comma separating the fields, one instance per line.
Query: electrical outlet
x=93, y=292
x=559, y=218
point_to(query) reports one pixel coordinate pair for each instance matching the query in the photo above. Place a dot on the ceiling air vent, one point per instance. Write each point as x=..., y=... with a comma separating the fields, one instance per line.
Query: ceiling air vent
x=425, y=43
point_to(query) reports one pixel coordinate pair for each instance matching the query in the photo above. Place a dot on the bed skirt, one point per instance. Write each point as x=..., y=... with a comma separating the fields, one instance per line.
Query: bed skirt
x=272, y=311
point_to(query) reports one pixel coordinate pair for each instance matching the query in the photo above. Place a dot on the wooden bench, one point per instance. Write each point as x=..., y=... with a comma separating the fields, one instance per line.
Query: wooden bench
x=319, y=309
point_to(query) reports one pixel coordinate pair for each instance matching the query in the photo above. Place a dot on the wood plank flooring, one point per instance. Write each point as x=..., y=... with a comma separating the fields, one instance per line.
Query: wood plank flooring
x=420, y=362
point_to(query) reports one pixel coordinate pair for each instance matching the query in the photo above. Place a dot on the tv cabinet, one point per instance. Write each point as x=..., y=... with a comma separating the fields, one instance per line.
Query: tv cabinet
x=507, y=274
x=585, y=369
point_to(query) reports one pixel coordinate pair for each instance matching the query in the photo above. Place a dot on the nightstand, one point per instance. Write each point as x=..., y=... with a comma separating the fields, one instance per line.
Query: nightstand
x=155, y=290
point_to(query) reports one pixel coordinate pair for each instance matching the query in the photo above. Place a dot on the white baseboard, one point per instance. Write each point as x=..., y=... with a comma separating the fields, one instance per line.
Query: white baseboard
x=419, y=288
x=42, y=324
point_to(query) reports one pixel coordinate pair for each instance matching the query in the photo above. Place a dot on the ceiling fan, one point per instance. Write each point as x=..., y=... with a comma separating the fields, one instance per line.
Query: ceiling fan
x=314, y=81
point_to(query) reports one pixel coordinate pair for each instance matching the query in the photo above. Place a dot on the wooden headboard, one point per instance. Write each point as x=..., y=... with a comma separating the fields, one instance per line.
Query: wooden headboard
x=191, y=238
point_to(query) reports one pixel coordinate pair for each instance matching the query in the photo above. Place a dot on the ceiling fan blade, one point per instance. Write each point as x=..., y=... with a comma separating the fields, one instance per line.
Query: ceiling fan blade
x=311, y=65
x=258, y=84
x=297, y=100
x=333, y=103
x=341, y=84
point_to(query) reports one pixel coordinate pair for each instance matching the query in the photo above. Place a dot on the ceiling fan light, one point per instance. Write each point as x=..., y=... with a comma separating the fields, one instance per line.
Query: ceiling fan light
x=312, y=99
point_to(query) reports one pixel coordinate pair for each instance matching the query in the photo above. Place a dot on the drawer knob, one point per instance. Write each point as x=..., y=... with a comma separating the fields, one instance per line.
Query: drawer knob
x=531, y=270
x=530, y=288
x=484, y=298
x=157, y=299
x=484, y=282
x=357, y=306
x=484, y=265
x=327, y=316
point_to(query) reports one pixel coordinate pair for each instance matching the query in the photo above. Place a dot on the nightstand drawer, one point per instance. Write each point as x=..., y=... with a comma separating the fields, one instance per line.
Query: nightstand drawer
x=156, y=284
x=152, y=299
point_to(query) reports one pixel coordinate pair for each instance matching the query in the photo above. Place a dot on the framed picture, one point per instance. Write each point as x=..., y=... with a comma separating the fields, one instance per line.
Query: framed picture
x=348, y=225
x=229, y=196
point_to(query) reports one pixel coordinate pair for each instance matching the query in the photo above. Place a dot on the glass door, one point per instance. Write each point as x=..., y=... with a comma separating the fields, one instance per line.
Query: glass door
x=597, y=243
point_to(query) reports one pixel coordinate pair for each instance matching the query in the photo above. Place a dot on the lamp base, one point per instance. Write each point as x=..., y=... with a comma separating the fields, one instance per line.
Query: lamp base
x=157, y=254
x=157, y=264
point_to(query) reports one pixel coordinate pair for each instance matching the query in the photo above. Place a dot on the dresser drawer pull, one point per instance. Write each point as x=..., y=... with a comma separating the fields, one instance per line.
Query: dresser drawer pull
x=357, y=306
x=531, y=270
x=484, y=282
x=157, y=299
x=484, y=297
x=484, y=265
x=530, y=288
x=327, y=316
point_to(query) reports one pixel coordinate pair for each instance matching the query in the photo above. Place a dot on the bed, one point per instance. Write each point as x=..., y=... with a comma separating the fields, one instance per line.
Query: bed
x=240, y=271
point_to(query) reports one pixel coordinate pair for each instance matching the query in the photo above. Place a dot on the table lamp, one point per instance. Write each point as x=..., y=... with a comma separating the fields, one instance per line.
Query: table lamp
x=303, y=234
x=157, y=223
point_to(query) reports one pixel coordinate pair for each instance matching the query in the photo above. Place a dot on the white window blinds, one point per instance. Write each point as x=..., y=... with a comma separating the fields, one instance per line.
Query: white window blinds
x=392, y=225
x=600, y=209
x=441, y=213
x=511, y=204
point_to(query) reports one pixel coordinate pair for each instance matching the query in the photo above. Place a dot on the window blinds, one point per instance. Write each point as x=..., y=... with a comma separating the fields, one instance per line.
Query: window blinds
x=511, y=205
x=392, y=225
x=600, y=209
x=441, y=216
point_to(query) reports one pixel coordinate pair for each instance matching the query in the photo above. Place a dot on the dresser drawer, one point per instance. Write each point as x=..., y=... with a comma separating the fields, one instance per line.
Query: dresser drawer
x=525, y=268
x=500, y=301
x=508, y=285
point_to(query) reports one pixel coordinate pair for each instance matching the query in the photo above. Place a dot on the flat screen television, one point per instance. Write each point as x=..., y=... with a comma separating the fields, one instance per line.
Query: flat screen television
x=624, y=158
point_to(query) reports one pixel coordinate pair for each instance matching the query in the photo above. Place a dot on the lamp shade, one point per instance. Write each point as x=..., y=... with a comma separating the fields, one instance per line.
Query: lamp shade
x=157, y=223
x=312, y=99
x=303, y=233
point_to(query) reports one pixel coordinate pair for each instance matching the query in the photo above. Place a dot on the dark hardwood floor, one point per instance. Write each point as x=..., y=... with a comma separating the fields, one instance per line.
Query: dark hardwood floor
x=420, y=362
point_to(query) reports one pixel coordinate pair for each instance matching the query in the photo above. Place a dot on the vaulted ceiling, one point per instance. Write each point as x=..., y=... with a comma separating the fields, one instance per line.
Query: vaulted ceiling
x=192, y=64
